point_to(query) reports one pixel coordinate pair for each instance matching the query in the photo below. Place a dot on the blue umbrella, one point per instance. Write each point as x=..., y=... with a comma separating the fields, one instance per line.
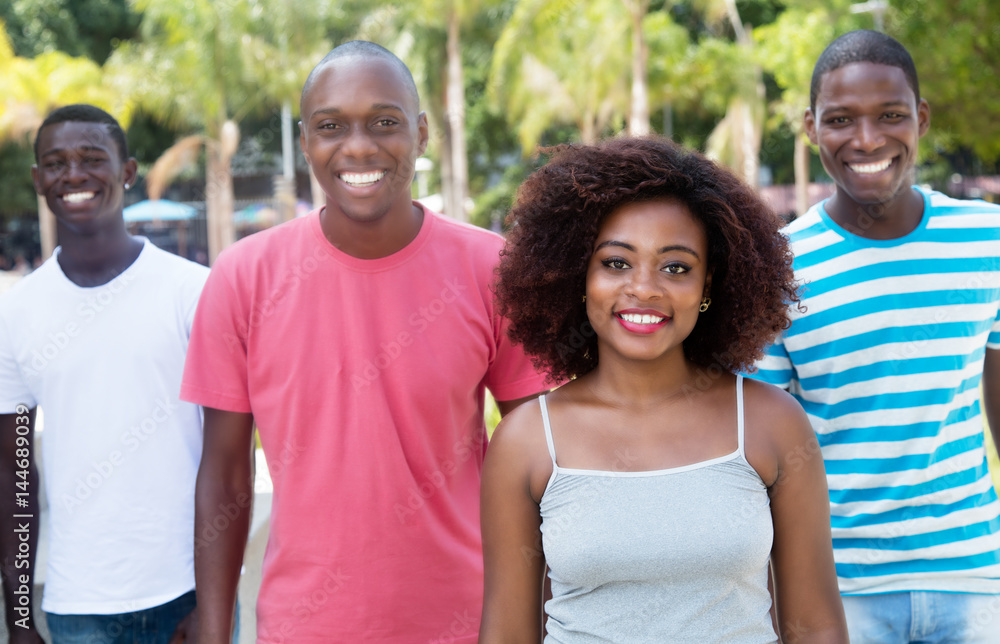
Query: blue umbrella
x=158, y=210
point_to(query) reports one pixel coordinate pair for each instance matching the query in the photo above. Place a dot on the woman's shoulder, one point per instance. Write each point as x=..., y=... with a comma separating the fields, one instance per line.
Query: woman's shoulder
x=771, y=401
x=518, y=445
x=775, y=428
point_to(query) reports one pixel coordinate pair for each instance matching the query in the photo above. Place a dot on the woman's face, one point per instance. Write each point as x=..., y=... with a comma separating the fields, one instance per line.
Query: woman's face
x=646, y=279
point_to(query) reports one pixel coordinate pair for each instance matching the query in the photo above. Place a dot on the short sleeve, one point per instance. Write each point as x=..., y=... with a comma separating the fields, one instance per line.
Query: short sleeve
x=511, y=375
x=14, y=389
x=775, y=367
x=993, y=341
x=215, y=370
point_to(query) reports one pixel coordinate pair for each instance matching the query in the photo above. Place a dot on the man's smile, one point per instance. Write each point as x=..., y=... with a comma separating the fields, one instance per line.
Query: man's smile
x=362, y=179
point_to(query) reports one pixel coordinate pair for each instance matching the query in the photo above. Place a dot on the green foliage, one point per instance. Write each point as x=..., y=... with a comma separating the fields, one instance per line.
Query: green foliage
x=548, y=67
x=958, y=67
x=16, y=159
x=77, y=27
x=537, y=72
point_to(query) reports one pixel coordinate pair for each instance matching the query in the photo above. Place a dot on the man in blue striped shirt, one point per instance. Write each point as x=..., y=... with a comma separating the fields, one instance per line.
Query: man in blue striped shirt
x=897, y=329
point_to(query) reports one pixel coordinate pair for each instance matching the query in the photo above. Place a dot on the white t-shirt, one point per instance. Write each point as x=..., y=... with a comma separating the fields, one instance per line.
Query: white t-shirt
x=121, y=451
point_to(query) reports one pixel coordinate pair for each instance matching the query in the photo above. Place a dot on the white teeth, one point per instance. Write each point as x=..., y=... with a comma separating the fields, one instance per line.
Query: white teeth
x=641, y=319
x=77, y=197
x=361, y=179
x=870, y=168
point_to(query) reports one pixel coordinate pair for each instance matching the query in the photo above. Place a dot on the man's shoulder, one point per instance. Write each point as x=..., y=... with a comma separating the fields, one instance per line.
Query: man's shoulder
x=461, y=239
x=943, y=205
x=175, y=264
x=451, y=231
x=804, y=229
x=262, y=246
x=805, y=221
x=30, y=287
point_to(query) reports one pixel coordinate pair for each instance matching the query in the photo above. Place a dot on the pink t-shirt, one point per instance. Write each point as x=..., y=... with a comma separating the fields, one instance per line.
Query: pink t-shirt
x=366, y=382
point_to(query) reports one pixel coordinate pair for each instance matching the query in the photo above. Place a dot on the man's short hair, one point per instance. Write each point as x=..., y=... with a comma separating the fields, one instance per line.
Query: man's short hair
x=863, y=46
x=84, y=113
x=361, y=49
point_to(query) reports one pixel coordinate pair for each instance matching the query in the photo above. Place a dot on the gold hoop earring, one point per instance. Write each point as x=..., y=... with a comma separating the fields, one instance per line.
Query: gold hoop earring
x=704, y=304
x=584, y=300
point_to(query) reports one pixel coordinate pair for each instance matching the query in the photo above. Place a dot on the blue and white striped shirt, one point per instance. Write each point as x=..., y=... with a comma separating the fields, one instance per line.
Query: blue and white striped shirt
x=887, y=360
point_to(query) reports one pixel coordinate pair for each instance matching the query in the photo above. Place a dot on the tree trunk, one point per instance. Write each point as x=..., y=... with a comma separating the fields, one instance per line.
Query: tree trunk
x=750, y=122
x=445, y=148
x=218, y=202
x=750, y=142
x=447, y=182
x=46, y=228
x=588, y=128
x=801, y=175
x=455, y=93
x=638, y=122
x=285, y=193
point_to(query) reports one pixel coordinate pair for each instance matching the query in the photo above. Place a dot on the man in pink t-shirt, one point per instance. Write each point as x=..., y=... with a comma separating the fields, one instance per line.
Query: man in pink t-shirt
x=360, y=341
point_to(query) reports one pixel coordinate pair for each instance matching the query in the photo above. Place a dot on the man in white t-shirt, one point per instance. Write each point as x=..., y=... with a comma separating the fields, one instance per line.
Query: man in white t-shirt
x=97, y=336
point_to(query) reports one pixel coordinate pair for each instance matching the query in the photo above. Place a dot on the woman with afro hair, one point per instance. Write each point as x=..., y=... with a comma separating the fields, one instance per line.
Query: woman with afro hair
x=656, y=485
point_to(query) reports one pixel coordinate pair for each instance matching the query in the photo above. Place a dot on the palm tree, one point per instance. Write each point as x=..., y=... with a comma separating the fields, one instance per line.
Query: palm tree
x=558, y=62
x=189, y=69
x=286, y=41
x=427, y=34
x=788, y=48
x=638, y=121
x=736, y=140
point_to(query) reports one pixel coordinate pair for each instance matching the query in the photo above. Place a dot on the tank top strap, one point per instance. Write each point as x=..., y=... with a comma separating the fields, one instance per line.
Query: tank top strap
x=739, y=413
x=548, y=429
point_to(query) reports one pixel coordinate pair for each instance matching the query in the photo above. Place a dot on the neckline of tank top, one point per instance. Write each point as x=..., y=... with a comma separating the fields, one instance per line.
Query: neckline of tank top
x=667, y=470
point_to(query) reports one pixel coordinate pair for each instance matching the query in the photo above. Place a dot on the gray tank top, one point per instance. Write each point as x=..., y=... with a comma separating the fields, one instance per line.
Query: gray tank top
x=674, y=555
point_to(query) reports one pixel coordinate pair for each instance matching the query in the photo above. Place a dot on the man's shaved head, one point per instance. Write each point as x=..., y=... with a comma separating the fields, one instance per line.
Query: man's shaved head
x=863, y=46
x=361, y=49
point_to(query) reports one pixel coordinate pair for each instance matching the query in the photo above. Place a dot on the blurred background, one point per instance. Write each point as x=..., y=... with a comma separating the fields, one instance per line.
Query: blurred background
x=208, y=92
x=209, y=89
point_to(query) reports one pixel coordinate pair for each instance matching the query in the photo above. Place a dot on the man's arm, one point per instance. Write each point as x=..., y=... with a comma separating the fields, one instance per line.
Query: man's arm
x=223, y=498
x=991, y=393
x=19, y=508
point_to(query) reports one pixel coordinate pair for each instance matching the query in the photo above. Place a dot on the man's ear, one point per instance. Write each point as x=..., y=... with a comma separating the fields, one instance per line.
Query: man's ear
x=131, y=171
x=923, y=116
x=36, y=180
x=809, y=123
x=422, y=133
x=302, y=143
